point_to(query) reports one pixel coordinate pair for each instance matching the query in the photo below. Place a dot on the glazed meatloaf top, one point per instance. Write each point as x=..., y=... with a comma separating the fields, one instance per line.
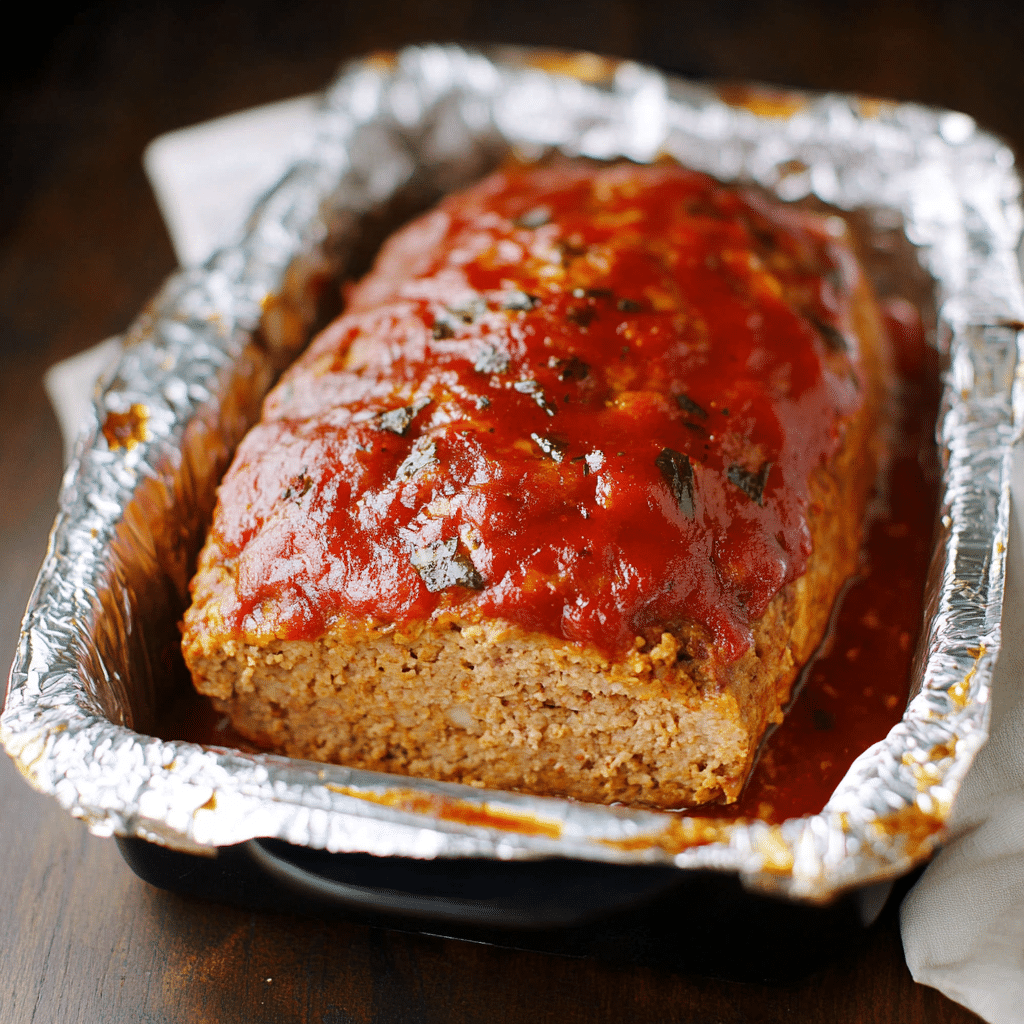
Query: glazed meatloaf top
x=586, y=400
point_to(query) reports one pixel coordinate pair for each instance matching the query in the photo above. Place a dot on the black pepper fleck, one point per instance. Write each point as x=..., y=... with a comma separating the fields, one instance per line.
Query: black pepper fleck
x=442, y=565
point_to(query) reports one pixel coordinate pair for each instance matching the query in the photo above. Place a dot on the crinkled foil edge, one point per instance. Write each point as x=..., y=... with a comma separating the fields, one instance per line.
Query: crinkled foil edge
x=88, y=677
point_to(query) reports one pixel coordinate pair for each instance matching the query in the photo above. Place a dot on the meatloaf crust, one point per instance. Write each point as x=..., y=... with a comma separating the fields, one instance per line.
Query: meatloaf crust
x=563, y=501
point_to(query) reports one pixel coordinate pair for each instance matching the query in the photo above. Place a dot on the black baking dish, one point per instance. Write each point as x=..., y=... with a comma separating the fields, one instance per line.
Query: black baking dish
x=654, y=917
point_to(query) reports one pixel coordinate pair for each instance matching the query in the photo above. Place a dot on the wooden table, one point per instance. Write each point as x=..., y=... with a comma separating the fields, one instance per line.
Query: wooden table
x=81, y=248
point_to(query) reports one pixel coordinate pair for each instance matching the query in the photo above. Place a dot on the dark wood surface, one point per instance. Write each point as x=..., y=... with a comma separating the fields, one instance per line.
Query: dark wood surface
x=81, y=248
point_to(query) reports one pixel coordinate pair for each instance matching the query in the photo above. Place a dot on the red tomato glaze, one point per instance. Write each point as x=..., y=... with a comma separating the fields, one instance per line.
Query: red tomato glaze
x=586, y=400
x=856, y=689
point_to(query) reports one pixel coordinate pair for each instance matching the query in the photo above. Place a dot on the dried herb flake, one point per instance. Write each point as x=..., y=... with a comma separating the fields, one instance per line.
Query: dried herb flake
x=553, y=447
x=592, y=462
x=442, y=565
x=751, y=484
x=397, y=421
x=536, y=392
x=298, y=485
x=491, y=360
x=422, y=456
x=572, y=368
x=520, y=302
x=581, y=316
x=570, y=249
x=470, y=310
x=678, y=473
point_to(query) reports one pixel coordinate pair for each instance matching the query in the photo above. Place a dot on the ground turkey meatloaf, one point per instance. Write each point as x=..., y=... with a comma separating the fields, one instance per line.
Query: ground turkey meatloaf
x=564, y=499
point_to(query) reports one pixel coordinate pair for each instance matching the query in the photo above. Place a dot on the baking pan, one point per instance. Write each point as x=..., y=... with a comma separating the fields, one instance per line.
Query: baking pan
x=699, y=922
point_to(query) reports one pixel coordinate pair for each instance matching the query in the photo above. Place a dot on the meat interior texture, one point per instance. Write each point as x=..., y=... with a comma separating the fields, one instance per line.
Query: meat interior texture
x=562, y=502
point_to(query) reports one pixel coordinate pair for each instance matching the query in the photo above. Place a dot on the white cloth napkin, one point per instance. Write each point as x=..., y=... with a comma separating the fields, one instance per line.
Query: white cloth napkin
x=963, y=924
x=208, y=178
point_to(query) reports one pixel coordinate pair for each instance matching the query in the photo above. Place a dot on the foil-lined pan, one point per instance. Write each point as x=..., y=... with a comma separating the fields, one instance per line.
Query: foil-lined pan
x=98, y=661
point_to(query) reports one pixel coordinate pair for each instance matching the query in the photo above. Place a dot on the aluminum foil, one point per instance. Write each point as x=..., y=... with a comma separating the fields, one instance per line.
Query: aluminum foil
x=97, y=658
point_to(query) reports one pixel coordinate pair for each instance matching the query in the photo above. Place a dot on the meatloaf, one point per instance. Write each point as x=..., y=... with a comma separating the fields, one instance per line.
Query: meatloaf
x=562, y=502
